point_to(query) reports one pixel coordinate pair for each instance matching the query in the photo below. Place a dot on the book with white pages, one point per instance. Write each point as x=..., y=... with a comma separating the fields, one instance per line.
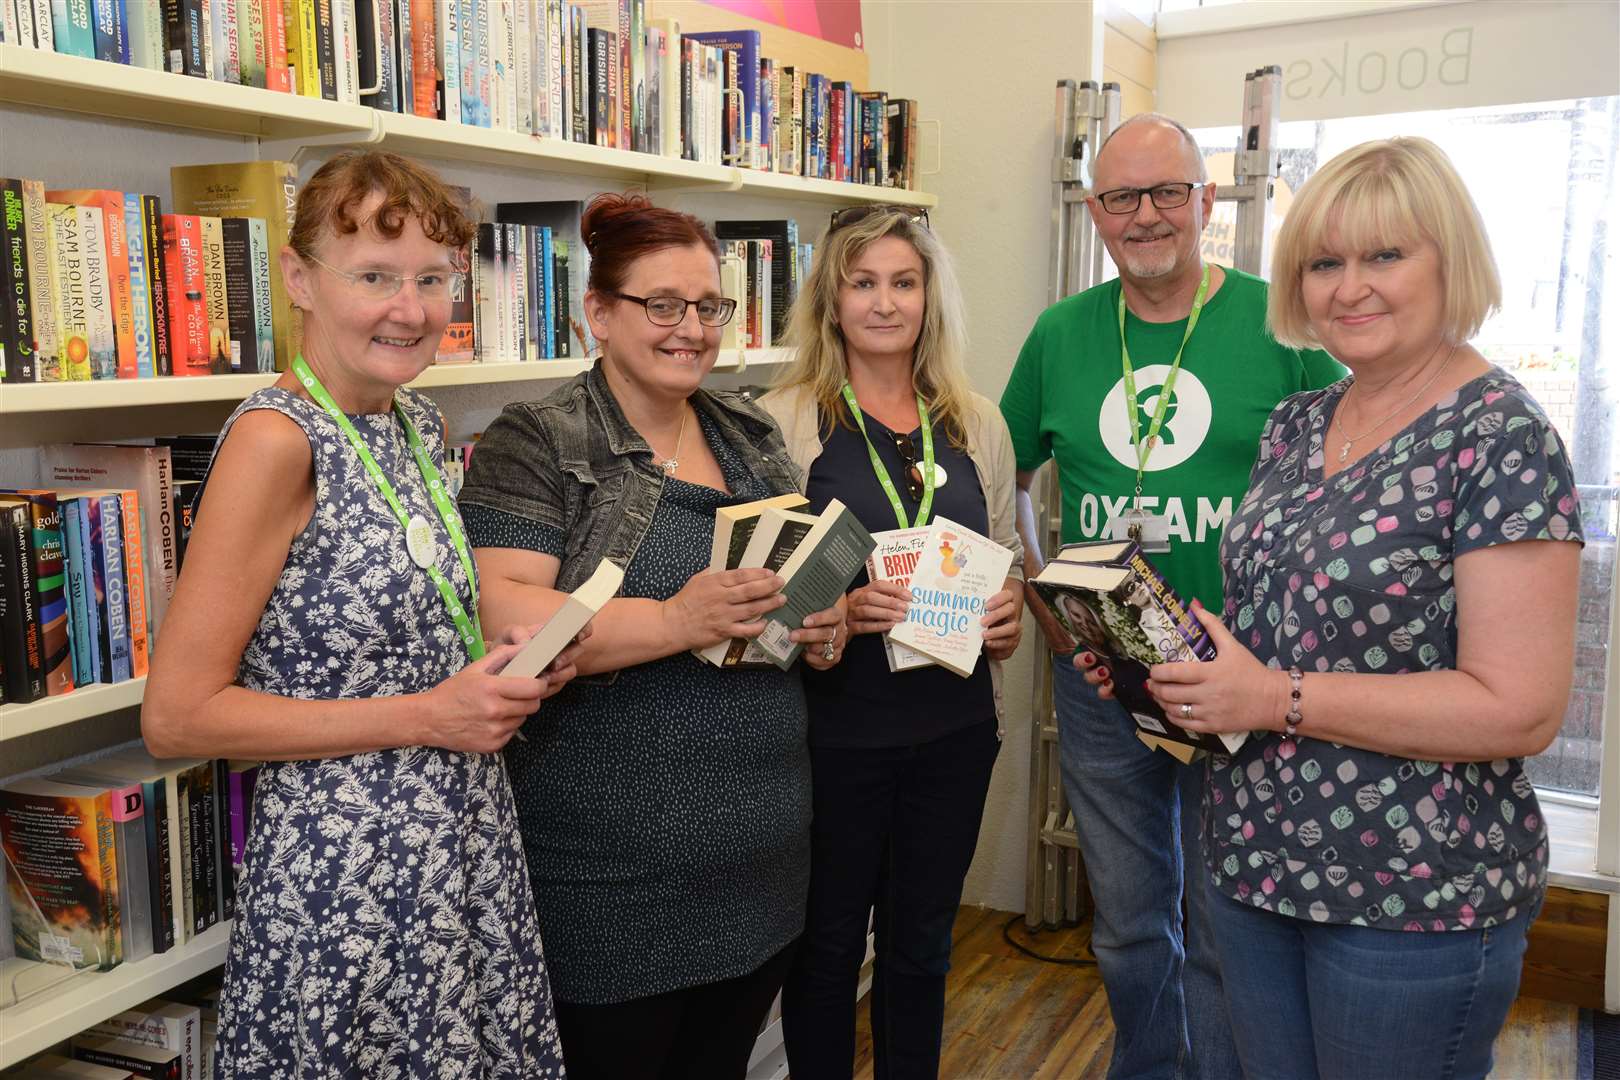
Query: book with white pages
x=580, y=607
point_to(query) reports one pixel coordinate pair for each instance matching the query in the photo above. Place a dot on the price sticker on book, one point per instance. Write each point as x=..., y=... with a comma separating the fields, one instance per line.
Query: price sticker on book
x=1152, y=531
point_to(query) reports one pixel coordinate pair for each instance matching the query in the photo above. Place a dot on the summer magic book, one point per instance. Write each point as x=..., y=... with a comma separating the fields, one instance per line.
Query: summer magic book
x=956, y=574
x=1116, y=604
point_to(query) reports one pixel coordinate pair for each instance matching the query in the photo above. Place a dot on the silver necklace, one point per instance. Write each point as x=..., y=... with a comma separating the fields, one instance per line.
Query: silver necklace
x=670, y=464
x=1351, y=440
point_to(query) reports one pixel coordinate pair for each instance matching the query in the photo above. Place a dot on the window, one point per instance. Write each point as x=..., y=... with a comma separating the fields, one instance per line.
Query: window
x=1545, y=179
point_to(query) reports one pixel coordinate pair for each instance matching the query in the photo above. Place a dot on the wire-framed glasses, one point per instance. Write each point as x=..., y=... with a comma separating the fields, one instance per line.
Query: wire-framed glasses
x=849, y=215
x=908, y=454
x=434, y=286
x=671, y=310
x=1165, y=197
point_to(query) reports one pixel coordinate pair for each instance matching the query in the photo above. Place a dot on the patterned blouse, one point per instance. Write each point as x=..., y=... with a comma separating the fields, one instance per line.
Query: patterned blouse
x=1353, y=573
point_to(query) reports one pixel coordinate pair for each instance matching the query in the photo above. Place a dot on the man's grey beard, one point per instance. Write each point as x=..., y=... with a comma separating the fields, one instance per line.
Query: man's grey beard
x=1149, y=267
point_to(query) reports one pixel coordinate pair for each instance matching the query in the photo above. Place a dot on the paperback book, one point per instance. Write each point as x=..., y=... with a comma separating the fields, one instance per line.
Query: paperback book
x=957, y=573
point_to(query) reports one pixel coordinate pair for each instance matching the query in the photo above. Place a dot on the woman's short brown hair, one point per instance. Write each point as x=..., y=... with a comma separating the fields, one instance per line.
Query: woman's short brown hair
x=329, y=201
x=1386, y=193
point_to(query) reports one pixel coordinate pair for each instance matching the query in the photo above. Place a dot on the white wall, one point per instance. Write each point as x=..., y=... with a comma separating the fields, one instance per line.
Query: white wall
x=988, y=72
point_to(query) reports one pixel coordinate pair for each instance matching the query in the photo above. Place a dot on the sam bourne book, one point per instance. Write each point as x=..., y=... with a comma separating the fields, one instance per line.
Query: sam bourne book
x=1115, y=603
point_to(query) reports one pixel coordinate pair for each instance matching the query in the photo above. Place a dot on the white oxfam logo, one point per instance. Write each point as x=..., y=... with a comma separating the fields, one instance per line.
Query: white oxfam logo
x=1186, y=418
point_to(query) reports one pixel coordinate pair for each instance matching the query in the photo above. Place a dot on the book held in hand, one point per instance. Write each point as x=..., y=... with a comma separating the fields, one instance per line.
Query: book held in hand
x=894, y=559
x=957, y=573
x=1117, y=605
x=580, y=607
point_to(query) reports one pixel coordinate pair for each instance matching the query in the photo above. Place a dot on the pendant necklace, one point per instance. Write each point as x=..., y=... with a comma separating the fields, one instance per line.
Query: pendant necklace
x=670, y=464
x=1349, y=440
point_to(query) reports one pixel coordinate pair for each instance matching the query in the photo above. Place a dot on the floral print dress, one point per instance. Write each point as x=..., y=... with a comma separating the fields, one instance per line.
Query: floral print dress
x=385, y=927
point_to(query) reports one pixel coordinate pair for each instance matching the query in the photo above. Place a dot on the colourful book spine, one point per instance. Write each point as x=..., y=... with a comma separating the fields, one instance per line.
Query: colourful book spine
x=73, y=33
x=106, y=535
x=18, y=346
x=50, y=588
x=223, y=356
x=425, y=73
x=83, y=616
x=157, y=288
x=66, y=243
x=264, y=331
x=135, y=580
x=103, y=333
x=188, y=319
x=547, y=279
x=140, y=286
x=251, y=45
x=277, y=75
x=42, y=285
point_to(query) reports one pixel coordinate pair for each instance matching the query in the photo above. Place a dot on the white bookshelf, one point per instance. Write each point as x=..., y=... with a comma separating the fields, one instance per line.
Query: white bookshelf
x=46, y=1017
x=22, y=398
x=81, y=704
x=123, y=92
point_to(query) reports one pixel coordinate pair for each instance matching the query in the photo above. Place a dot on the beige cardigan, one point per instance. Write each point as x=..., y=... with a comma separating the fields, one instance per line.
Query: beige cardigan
x=989, y=447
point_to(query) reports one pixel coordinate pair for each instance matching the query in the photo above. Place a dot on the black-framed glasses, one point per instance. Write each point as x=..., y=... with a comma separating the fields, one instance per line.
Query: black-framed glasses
x=1126, y=200
x=849, y=215
x=671, y=310
x=908, y=454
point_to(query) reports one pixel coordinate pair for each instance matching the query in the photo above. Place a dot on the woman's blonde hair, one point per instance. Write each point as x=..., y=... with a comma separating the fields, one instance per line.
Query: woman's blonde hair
x=937, y=369
x=1386, y=193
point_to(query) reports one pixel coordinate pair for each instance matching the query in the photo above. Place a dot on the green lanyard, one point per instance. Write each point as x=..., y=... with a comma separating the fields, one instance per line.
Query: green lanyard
x=1144, y=447
x=418, y=533
x=882, y=473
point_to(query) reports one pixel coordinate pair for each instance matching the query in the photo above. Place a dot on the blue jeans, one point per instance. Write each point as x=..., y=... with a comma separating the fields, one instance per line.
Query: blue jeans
x=1137, y=812
x=894, y=832
x=1330, y=1001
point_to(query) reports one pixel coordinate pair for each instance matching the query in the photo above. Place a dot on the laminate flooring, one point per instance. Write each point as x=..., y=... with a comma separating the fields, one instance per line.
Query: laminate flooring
x=1010, y=1017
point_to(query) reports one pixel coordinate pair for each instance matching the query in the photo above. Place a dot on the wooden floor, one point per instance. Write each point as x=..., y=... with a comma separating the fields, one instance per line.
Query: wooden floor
x=1008, y=1016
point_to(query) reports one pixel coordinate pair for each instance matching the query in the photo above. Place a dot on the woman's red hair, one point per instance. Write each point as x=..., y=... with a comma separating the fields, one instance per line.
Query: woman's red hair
x=619, y=229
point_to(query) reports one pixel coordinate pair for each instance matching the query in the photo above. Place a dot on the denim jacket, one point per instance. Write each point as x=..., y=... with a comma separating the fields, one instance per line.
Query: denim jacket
x=571, y=461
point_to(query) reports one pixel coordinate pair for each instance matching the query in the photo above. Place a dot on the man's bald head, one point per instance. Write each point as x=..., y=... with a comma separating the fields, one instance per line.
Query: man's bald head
x=1145, y=133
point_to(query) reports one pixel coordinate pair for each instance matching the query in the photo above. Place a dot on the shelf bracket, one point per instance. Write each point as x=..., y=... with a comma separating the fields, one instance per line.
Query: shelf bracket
x=295, y=149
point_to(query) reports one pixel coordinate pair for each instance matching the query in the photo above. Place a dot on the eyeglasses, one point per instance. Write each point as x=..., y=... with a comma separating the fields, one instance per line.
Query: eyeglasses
x=849, y=215
x=436, y=286
x=908, y=454
x=671, y=310
x=1165, y=197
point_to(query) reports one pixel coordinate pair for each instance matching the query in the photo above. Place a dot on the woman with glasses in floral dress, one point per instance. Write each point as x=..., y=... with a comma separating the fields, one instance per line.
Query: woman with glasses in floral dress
x=664, y=802
x=327, y=624
x=877, y=412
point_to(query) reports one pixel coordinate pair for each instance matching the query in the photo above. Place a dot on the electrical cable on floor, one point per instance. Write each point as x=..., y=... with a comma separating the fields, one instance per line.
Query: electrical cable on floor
x=1089, y=960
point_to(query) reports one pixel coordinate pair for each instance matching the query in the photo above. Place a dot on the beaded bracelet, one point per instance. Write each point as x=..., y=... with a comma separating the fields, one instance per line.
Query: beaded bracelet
x=1292, y=721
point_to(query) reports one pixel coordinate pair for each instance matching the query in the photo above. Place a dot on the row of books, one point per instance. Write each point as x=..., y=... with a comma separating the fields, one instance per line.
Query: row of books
x=598, y=72
x=88, y=563
x=122, y=857
x=166, y=1038
x=102, y=284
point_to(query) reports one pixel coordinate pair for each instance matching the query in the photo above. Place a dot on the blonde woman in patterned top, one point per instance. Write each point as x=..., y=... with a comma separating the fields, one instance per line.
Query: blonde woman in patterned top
x=1401, y=584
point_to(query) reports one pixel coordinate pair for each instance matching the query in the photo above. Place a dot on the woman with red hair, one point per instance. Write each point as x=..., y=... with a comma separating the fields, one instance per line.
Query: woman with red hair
x=664, y=803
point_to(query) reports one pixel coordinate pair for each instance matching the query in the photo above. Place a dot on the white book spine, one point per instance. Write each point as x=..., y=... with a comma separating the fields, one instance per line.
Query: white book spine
x=449, y=43
x=523, y=46
x=44, y=32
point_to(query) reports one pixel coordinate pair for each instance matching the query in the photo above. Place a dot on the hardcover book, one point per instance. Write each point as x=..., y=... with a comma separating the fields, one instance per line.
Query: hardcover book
x=126, y=802
x=50, y=587
x=957, y=574
x=1117, y=605
x=252, y=189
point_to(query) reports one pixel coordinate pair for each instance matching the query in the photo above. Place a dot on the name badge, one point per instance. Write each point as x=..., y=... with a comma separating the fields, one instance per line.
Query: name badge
x=1152, y=531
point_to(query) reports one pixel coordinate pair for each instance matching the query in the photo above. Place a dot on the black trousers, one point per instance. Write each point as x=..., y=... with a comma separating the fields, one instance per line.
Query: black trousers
x=894, y=832
x=701, y=1032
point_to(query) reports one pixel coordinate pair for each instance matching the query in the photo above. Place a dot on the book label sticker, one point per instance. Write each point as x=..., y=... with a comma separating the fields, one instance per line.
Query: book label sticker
x=774, y=640
x=59, y=950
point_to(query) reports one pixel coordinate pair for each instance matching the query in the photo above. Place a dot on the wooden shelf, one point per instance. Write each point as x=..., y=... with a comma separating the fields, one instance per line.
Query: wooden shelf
x=24, y=398
x=55, y=81
x=44, y=1019
x=86, y=701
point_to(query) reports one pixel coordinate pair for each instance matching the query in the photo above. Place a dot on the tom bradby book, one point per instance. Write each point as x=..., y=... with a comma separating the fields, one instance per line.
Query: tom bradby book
x=956, y=575
x=1116, y=604
x=897, y=554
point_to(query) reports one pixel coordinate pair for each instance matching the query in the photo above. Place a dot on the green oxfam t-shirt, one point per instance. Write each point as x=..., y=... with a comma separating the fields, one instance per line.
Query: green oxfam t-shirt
x=1066, y=400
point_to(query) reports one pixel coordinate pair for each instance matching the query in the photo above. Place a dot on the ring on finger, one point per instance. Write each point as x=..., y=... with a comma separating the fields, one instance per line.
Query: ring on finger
x=1186, y=711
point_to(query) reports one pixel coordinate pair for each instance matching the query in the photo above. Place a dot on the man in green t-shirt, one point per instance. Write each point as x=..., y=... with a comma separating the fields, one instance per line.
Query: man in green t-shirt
x=1075, y=396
